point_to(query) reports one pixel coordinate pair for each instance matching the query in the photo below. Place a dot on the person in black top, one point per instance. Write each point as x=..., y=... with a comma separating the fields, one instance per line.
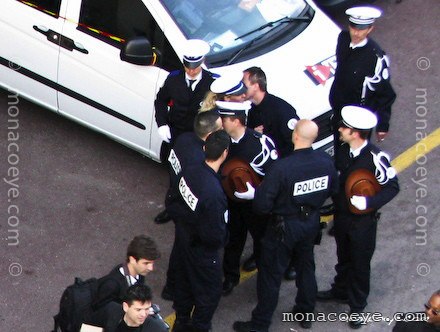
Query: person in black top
x=141, y=255
x=188, y=150
x=362, y=74
x=136, y=314
x=178, y=100
x=269, y=115
x=198, y=206
x=273, y=117
x=292, y=191
x=259, y=151
x=430, y=321
x=355, y=231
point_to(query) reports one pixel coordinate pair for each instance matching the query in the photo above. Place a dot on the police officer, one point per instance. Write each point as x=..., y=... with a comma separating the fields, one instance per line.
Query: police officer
x=227, y=87
x=269, y=114
x=293, y=191
x=188, y=150
x=362, y=75
x=259, y=151
x=178, y=100
x=355, y=233
x=199, y=209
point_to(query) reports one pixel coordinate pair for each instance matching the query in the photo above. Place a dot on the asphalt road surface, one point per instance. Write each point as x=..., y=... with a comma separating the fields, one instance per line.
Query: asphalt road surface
x=78, y=198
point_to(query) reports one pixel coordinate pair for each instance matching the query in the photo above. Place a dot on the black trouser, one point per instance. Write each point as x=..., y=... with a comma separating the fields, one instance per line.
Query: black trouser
x=275, y=257
x=198, y=283
x=355, y=237
x=241, y=219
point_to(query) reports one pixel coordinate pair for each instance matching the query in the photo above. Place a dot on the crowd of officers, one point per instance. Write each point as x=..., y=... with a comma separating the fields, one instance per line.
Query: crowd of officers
x=206, y=121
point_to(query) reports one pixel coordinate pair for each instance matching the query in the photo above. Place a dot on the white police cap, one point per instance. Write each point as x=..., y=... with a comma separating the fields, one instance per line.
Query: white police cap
x=228, y=108
x=359, y=118
x=229, y=84
x=362, y=17
x=194, y=52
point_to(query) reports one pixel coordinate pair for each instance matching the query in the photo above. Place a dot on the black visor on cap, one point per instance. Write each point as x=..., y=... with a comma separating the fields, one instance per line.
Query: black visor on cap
x=360, y=26
x=192, y=64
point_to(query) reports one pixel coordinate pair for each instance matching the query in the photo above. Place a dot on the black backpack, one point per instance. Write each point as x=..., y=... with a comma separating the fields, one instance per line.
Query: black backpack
x=75, y=305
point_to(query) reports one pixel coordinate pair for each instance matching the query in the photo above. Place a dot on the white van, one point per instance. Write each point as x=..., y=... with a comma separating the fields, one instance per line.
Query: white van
x=101, y=62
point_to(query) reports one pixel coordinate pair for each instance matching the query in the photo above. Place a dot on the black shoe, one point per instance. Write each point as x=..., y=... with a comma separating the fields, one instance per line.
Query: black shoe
x=250, y=264
x=305, y=324
x=290, y=273
x=355, y=323
x=162, y=218
x=167, y=293
x=228, y=286
x=329, y=295
x=245, y=327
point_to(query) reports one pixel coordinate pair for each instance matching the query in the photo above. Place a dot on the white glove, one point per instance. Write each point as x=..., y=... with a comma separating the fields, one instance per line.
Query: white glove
x=359, y=202
x=248, y=195
x=164, y=133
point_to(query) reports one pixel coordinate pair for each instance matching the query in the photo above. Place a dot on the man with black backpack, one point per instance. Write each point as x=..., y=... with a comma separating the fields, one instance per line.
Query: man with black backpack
x=88, y=301
x=141, y=254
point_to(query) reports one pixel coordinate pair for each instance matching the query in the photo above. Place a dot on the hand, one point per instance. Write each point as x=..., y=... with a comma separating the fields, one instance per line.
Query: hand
x=359, y=202
x=248, y=195
x=164, y=133
x=380, y=136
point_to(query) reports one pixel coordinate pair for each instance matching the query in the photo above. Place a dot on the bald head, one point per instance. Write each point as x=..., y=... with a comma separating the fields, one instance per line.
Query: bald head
x=304, y=134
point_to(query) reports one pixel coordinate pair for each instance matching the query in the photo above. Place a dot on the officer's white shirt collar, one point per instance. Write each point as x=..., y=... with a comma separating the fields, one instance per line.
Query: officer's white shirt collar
x=238, y=140
x=196, y=80
x=357, y=152
x=361, y=44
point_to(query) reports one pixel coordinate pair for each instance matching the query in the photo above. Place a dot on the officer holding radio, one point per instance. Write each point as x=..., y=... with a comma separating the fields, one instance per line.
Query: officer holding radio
x=356, y=216
x=293, y=191
x=178, y=100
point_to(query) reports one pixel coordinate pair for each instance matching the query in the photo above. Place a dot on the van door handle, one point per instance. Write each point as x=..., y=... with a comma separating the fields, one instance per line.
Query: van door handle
x=60, y=40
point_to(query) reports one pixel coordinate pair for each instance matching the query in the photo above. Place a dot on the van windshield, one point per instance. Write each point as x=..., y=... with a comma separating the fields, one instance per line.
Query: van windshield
x=229, y=24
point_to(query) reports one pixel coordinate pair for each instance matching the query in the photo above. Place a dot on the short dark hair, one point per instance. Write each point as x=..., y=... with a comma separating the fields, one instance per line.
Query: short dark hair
x=138, y=292
x=144, y=247
x=257, y=75
x=216, y=144
x=205, y=123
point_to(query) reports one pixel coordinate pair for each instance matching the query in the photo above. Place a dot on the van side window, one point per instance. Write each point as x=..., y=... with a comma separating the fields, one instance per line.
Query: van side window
x=50, y=7
x=115, y=21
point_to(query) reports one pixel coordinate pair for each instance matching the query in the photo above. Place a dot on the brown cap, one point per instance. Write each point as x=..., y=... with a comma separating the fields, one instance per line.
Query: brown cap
x=361, y=182
x=235, y=173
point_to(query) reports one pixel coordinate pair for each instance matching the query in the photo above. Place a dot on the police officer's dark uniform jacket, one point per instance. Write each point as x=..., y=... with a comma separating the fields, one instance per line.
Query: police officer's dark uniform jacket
x=177, y=105
x=278, y=118
x=260, y=152
x=199, y=208
x=187, y=150
x=355, y=234
x=293, y=191
x=362, y=77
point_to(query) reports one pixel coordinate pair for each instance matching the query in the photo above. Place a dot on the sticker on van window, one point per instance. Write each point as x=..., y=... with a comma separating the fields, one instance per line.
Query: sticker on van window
x=322, y=71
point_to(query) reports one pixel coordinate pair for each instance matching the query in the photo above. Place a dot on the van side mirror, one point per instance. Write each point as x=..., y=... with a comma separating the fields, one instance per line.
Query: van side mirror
x=138, y=51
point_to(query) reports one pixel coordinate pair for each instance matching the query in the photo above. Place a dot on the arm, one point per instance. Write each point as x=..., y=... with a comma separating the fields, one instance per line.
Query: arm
x=267, y=192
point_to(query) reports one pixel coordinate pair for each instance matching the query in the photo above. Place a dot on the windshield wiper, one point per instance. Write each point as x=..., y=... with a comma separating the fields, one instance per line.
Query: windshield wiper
x=285, y=19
